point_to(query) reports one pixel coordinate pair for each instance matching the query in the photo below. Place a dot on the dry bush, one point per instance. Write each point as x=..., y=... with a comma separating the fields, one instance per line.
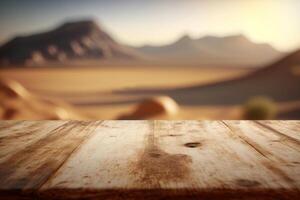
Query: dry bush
x=259, y=108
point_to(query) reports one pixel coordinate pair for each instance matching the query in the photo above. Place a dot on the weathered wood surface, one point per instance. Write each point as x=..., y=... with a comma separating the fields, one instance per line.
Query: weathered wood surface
x=150, y=159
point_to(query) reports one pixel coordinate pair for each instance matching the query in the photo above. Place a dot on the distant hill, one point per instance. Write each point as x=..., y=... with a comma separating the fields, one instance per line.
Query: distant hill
x=85, y=39
x=72, y=40
x=280, y=81
x=210, y=50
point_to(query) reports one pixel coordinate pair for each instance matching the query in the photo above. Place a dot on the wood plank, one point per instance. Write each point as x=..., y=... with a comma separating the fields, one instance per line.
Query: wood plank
x=280, y=156
x=29, y=168
x=221, y=153
x=106, y=157
x=182, y=159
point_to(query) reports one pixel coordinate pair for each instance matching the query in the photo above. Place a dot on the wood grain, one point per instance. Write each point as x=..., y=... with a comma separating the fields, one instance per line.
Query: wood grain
x=150, y=159
x=34, y=154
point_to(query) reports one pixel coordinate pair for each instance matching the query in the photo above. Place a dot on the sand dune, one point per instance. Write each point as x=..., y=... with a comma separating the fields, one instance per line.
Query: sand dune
x=277, y=81
x=153, y=107
x=18, y=103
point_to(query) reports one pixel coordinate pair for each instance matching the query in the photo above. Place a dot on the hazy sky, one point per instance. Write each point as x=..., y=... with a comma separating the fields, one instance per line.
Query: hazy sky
x=138, y=22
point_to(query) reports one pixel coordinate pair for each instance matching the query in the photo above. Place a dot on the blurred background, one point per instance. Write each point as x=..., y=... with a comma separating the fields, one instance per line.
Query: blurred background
x=158, y=59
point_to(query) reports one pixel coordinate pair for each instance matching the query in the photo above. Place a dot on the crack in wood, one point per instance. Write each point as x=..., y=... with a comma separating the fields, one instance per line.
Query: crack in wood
x=268, y=163
x=281, y=135
x=250, y=143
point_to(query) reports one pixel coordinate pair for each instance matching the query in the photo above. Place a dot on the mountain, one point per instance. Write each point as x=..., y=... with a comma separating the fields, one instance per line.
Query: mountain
x=72, y=40
x=236, y=49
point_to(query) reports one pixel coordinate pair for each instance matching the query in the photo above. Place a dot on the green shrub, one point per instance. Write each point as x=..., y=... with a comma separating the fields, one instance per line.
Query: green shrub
x=259, y=108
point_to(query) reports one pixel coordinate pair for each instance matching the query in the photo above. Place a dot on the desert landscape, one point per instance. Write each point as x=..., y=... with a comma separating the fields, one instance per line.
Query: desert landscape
x=78, y=70
x=150, y=99
x=94, y=91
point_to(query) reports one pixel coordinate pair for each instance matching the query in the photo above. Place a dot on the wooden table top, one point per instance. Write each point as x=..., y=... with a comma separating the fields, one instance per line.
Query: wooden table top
x=150, y=159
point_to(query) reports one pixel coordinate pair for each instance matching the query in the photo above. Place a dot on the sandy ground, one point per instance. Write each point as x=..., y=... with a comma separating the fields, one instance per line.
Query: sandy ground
x=91, y=90
x=83, y=79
